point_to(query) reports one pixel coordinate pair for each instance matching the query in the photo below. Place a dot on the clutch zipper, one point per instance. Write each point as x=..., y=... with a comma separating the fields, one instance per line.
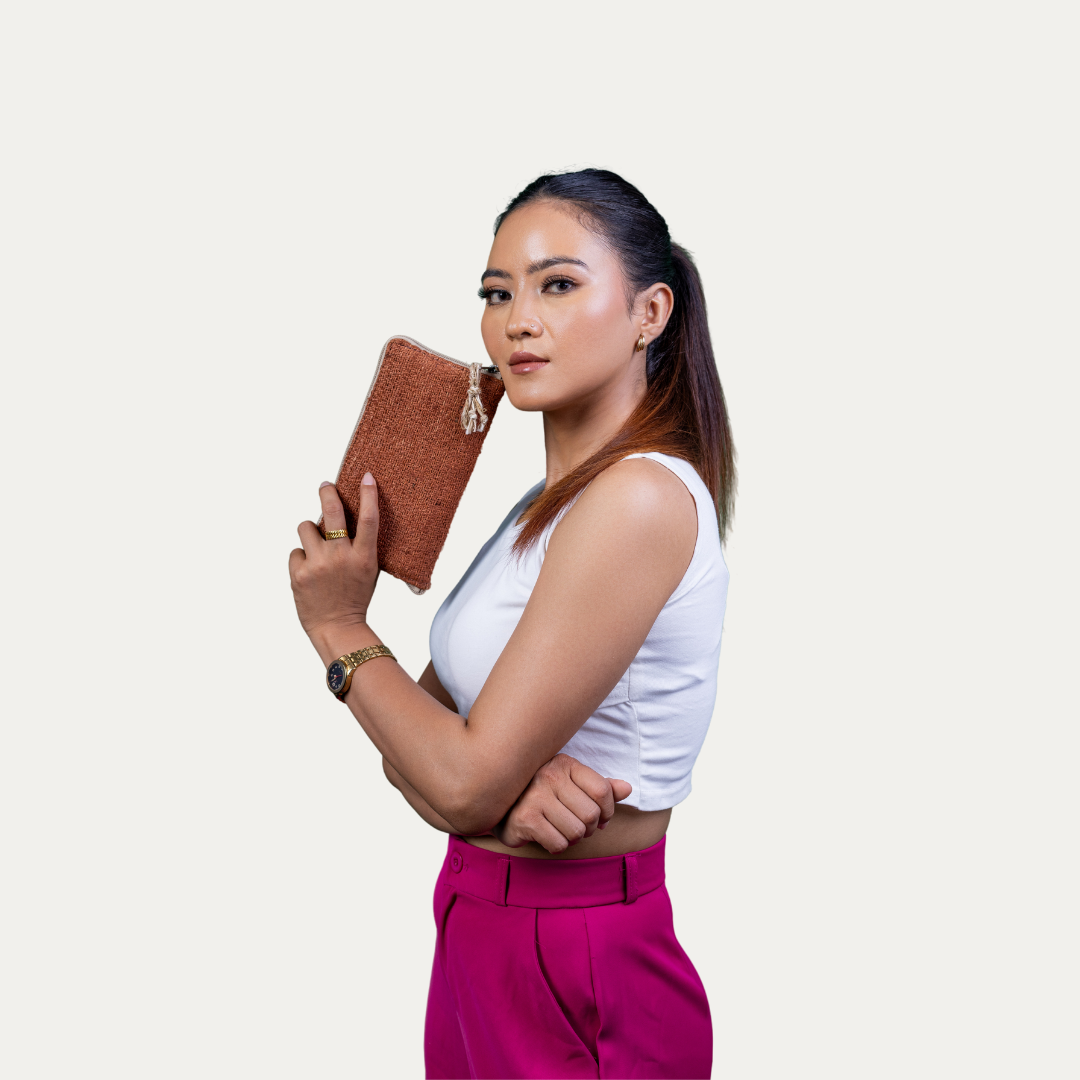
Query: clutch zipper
x=489, y=369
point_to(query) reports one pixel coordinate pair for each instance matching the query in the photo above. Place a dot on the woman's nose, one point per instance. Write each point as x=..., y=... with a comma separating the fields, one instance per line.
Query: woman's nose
x=523, y=324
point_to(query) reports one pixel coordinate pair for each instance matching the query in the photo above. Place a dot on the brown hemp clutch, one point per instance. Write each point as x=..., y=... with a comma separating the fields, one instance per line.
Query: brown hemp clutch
x=419, y=434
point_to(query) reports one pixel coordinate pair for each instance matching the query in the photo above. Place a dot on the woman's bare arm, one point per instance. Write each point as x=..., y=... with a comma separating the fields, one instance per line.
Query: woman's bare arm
x=565, y=801
x=414, y=799
x=610, y=567
x=429, y=681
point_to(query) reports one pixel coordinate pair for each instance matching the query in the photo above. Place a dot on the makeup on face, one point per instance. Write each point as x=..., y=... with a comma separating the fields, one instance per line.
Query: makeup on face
x=523, y=362
x=555, y=316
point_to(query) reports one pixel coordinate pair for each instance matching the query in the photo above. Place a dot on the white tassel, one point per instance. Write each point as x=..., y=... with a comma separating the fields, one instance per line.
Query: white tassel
x=473, y=413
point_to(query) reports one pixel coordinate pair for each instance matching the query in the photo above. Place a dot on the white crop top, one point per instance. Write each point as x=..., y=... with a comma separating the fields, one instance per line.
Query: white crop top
x=650, y=728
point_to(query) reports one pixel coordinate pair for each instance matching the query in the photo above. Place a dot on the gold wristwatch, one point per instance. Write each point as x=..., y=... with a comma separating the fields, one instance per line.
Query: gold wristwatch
x=339, y=674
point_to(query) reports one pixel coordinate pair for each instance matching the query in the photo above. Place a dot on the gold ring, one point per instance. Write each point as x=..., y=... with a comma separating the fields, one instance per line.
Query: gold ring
x=336, y=534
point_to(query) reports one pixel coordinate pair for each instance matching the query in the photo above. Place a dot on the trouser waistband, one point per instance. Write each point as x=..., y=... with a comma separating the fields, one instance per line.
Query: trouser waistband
x=515, y=881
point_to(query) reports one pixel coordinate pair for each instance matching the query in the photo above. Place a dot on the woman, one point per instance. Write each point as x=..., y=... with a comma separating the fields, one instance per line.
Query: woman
x=574, y=666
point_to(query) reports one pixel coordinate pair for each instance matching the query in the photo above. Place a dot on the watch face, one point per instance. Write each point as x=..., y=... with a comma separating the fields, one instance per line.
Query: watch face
x=335, y=676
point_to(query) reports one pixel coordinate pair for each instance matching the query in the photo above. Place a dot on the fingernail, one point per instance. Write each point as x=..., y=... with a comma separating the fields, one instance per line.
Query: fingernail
x=325, y=483
x=602, y=825
x=368, y=479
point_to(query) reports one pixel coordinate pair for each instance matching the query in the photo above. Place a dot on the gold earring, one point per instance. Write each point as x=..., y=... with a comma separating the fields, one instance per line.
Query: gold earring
x=639, y=347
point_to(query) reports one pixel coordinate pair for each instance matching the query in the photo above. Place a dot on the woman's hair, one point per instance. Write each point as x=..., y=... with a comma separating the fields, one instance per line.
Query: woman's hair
x=683, y=413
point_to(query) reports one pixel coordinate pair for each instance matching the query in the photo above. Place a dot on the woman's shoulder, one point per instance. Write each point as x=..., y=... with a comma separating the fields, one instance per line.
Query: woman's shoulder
x=644, y=487
x=635, y=504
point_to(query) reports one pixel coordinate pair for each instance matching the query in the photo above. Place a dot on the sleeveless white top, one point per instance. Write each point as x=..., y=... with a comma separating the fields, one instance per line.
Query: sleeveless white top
x=650, y=728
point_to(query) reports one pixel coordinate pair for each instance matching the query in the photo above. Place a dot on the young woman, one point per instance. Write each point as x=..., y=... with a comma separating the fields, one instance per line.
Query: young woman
x=573, y=670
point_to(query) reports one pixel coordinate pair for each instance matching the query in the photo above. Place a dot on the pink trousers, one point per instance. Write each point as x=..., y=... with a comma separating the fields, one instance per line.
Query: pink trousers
x=561, y=969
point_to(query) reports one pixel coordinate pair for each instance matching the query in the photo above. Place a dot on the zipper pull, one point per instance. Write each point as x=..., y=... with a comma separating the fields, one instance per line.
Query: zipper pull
x=473, y=412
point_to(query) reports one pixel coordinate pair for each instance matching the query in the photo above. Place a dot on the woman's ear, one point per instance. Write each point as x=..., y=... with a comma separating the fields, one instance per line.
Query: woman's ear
x=655, y=304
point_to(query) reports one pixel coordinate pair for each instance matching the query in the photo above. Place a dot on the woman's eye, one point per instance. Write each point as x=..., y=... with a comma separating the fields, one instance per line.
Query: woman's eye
x=559, y=286
x=494, y=296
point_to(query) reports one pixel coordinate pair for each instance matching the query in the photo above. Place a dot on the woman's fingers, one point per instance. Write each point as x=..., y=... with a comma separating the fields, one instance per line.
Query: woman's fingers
x=310, y=537
x=333, y=512
x=547, y=836
x=333, y=577
x=296, y=559
x=367, y=518
x=527, y=824
x=569, y=823
x=583, y=807
x=595, y=787
x=566, y=802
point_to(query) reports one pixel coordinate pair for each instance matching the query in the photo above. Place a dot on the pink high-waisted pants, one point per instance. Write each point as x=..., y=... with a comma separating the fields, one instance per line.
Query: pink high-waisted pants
x=561, y=968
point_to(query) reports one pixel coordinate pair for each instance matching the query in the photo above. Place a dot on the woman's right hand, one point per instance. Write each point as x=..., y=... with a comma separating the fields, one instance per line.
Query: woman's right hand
x=565, y=802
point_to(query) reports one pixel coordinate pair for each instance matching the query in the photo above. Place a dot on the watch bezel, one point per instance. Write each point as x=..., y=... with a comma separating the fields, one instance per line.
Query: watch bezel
x=343, y=688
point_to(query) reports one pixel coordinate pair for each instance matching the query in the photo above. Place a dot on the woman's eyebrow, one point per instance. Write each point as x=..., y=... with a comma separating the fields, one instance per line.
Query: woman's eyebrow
x=535, y=267
x=544, y=264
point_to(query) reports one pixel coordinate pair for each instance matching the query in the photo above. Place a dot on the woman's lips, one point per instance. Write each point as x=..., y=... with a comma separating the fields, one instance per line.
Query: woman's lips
x=522, y=362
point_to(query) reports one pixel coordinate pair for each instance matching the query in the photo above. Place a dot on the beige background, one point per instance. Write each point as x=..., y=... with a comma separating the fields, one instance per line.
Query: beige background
x=213, y=215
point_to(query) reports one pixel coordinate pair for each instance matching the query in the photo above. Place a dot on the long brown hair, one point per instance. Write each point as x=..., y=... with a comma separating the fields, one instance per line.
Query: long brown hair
x=683, y=412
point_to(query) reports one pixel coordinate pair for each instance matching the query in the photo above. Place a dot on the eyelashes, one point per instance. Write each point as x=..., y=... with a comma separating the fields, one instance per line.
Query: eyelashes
x=557, y=280
x=486, y=294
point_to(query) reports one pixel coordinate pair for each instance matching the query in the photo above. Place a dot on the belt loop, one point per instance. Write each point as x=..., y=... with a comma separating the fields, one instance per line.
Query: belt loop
x=502, y=880
x=630, y=871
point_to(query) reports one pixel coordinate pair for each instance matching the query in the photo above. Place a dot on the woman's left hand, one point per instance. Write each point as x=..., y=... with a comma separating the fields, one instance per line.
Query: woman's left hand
x=565, y=802
x=333, y=580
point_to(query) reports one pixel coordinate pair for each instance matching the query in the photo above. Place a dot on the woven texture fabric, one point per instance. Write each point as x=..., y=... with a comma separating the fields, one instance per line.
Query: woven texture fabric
x=409, y=437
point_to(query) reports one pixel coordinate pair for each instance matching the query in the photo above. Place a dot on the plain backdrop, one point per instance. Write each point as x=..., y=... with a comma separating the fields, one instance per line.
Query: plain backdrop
x=212, y=215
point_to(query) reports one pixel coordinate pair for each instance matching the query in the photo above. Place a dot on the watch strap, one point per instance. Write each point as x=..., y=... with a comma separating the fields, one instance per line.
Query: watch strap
x=353, y=660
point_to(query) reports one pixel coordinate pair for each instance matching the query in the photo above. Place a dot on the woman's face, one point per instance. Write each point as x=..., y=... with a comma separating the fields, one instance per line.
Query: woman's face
x=555, y=316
